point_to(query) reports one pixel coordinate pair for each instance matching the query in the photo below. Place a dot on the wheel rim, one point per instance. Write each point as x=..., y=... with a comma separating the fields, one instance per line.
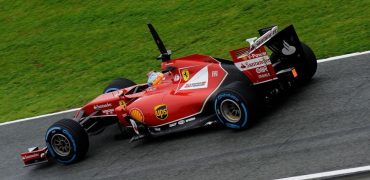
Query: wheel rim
x=230, y=110
x=61, y=145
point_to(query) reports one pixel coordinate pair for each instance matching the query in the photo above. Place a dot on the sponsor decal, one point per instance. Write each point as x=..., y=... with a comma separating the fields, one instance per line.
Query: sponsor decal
x=261, y=69
x=265, y=75
x=223, y=95
x=256, y=66
x=122, y=104
x=176, y=78
x=253, y=63
x=181, y=122
x=288, y=49
x=161, y=111
x=185, y=74
x=214, y=73
x=108, y=111
x=194, y=85
x=234, y=126
x=30, y=156
x=102, y=106
x=198, y=81
x=260, y=41
x=251, y=56
x=137, y=114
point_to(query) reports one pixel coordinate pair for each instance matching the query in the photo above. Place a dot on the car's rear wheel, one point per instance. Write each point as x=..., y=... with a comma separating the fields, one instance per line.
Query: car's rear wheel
x=236, y=106
x=67, y=141
x=309, y=64
x=117, y=84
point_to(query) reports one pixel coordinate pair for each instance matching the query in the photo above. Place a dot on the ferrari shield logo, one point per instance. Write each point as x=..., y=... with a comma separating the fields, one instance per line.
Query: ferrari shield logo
x=122, y=104
x=185, y=74
x=161, y=111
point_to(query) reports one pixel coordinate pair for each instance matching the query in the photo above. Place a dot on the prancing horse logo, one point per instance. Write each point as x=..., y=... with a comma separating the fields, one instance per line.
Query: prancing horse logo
x=185, y=74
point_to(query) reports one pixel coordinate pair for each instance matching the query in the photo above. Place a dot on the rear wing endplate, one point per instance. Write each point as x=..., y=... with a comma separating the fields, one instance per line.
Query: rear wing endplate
x=285, y=42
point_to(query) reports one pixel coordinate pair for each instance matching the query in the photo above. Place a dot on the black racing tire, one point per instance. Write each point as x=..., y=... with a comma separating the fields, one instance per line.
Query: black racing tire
x=236, y=105
x=67, y=141
x=309, y=64
x=117, y=84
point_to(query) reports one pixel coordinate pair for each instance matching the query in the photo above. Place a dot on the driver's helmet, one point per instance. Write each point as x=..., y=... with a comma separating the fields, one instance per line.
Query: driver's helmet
x=154, y=78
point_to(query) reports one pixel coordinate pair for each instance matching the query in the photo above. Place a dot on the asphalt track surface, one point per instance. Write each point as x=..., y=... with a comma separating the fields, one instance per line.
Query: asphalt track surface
x=324, y=126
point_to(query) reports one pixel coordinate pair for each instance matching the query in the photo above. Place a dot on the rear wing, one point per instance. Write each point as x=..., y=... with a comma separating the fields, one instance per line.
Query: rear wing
x=254, y=62
x=283, y=43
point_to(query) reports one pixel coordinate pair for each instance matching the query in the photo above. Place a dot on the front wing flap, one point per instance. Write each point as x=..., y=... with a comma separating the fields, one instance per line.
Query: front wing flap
x=35, y=156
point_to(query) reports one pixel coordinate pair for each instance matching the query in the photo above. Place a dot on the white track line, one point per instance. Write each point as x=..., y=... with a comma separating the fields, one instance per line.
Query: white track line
x=71, y=110
x=343, y=56
x=36, y=117
x=330, y=174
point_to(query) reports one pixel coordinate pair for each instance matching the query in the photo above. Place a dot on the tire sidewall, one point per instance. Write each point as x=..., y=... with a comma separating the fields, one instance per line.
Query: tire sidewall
x=110, y=90
x=235, y=97
x=118, y=84
x=308, y=63
x=71, y=157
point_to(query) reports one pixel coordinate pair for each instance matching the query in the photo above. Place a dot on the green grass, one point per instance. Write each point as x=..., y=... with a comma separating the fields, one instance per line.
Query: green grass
x=56, y=54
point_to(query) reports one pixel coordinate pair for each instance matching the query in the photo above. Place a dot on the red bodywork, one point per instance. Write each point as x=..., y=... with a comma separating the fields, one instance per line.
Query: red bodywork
x=182, y=93
x=256, y=66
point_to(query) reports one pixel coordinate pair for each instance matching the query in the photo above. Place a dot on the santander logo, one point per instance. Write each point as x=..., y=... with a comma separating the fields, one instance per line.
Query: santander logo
x=288, y=49
x=101, y=106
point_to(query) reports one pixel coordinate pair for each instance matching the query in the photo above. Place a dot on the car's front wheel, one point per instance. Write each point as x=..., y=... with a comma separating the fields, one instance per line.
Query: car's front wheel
x=67, y=141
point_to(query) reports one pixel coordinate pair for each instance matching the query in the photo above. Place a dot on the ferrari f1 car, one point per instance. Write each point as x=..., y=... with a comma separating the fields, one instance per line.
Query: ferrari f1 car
x=189, y=92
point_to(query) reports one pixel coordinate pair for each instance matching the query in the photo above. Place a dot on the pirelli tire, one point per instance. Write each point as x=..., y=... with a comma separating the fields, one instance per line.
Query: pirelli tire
x=236, y=106
x=117, y=84
x=67, y=141
x=308, y=65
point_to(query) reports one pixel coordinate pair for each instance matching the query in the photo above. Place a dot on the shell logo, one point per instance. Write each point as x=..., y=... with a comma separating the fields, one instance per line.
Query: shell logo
x=137, y=114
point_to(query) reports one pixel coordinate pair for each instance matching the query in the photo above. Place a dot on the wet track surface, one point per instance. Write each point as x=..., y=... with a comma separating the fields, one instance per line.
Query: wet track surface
x=322, y=127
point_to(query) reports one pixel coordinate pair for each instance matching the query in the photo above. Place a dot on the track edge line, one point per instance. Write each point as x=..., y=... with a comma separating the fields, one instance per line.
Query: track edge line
x=40, y=116
x=330, y=174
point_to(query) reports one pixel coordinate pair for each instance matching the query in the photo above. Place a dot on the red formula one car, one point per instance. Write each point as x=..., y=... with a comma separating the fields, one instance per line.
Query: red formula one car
x=190, y=92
